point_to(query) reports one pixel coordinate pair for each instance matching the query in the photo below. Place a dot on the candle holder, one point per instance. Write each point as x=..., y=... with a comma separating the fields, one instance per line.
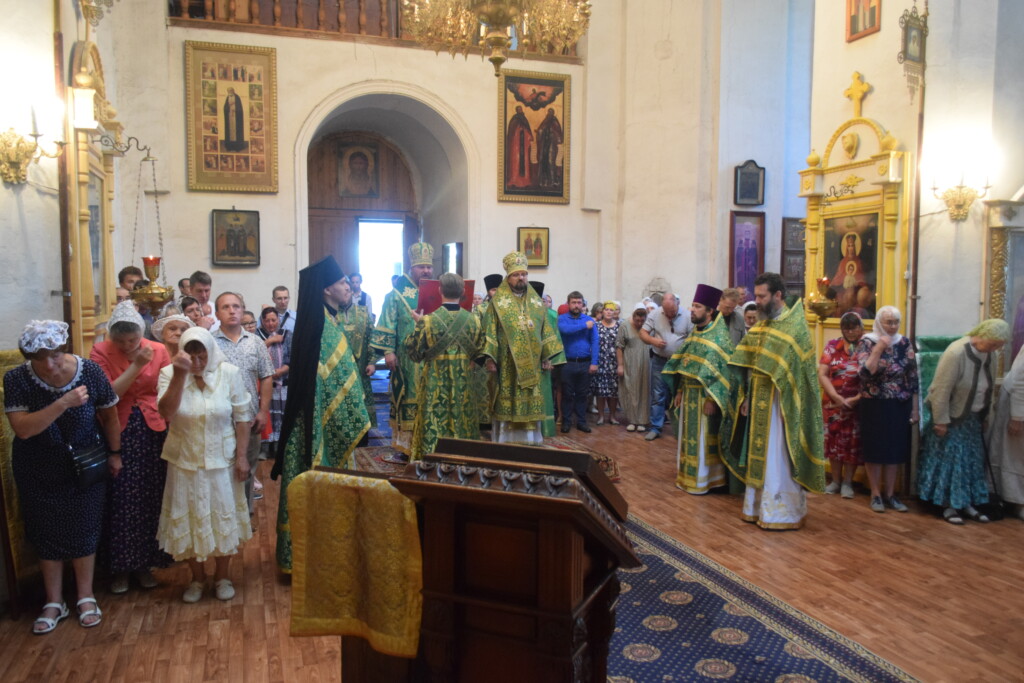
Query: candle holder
x=152, y=297
x=819, y=302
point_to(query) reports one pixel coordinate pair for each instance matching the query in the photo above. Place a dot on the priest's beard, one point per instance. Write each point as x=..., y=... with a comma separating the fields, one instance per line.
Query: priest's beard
x=519, y=289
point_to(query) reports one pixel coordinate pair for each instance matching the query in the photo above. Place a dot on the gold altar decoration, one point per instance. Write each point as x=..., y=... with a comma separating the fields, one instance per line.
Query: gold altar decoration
x=959, y=198
x=152, y=297
x=857, y=246
x=457, y=26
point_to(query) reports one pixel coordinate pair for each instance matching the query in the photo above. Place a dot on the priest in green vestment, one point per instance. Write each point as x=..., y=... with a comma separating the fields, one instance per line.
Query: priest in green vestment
x=704, y=385
x=445, y=344
x=519, y=342
x=358, y=326
x=394, y=326
x=325, y=416
x=780, y=450
x=481, y=381
x=548, y=427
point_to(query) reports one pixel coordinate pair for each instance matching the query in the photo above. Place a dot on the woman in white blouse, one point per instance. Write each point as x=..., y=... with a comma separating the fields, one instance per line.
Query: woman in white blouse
x=204, y=512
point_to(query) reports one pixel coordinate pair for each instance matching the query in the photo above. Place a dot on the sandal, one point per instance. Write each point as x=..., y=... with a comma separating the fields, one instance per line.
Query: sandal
x=613, y=421
x=976, y=516
x=94, y=612
x=631, y=428
x=952, y=516
x=641, y=428
x=50, y=623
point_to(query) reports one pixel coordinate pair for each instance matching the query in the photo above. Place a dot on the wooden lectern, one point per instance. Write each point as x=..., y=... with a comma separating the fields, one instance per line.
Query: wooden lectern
x=520, y=549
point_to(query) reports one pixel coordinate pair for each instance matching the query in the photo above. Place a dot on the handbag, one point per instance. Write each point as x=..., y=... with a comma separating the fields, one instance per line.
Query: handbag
x=89, y=464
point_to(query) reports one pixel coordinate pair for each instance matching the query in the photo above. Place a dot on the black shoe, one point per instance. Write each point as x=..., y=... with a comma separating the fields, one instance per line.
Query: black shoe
x=566, y=428
x=583, y=428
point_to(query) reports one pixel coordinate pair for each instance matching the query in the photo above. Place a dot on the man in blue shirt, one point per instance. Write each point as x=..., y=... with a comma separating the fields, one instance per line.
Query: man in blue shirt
x=579, y=337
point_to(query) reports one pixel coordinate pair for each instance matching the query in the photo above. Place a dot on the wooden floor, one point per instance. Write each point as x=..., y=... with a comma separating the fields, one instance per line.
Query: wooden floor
x=944, y=603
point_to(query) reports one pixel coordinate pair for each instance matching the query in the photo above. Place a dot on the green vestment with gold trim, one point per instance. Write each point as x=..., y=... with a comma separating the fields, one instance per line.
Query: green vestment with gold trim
x=548, y=427
x=444, y=343
x=518, y=337
x=339, y=418
x=481, y=380
x=394, y=326
x=358, y=330
x=700, y=370
x=779, y=355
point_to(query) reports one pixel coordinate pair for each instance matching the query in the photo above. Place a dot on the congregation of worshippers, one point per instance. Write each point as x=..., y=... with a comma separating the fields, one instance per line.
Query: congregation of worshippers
x=188, y=400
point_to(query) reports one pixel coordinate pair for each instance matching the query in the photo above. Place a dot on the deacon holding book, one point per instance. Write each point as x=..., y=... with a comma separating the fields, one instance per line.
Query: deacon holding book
x=394, y=326
x=444, y=344
x=519, y=343
x=325, y=416
x=703, y=383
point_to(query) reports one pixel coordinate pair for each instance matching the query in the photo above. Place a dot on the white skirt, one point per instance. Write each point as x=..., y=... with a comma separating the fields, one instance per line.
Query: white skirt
x=204, y=514
x=525, y=433
x=782, y=503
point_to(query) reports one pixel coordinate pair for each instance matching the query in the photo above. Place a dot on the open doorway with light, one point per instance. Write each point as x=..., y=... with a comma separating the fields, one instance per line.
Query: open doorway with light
x=381, y=254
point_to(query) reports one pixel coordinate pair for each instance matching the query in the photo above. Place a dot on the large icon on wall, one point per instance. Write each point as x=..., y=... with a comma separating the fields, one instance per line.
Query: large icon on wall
x=851, y=262
x=357, y=170
x=533, y=137
x=746, y=249
x=231, y=102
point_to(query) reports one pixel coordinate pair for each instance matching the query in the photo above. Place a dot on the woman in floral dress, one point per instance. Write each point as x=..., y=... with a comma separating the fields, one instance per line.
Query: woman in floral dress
x=839, y=375
x=605, y=385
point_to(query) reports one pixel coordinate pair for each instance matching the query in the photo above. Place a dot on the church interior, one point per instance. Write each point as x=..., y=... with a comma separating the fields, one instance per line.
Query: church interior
x=863, y=146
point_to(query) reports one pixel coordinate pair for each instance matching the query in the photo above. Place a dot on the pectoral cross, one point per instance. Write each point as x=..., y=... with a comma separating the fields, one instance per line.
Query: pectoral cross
x=856, y=92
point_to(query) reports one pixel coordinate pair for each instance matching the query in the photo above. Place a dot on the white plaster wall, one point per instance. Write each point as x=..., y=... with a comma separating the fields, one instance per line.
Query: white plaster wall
x=765, y=108
x=29, y=213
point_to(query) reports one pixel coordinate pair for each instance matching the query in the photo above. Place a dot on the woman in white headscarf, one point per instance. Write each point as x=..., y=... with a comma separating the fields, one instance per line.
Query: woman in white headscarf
x=205, y=513
x=888, y=405
x=58, y=401
x=169, y=329
x=132, y=364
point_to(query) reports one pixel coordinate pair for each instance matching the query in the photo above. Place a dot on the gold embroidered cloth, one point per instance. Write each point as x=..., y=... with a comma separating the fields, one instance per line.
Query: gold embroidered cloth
x=357, y=569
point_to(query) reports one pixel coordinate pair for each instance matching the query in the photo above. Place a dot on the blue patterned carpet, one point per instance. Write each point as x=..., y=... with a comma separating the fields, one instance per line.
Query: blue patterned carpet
x=683, y=617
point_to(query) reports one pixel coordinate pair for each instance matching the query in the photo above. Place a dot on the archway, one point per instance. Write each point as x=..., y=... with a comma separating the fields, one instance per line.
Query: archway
x=432, y=139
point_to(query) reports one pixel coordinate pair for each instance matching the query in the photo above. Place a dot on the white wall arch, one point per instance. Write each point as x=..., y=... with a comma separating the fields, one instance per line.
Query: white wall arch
x=428, y=131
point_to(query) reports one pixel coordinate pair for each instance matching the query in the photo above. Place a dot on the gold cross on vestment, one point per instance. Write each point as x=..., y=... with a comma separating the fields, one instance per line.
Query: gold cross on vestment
x=856, y=92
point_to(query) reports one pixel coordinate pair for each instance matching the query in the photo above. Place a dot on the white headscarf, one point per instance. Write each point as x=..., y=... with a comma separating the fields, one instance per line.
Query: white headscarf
x=43, y=334
x=214, y=356
x=890, y=310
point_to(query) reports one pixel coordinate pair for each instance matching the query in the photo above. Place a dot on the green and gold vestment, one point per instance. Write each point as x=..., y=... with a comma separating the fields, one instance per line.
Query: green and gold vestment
x=339, y=418
x=779, y=355
x=700, y=370
x=445, y=344
x=393, y=327
x=518, y=337
x=358, y=329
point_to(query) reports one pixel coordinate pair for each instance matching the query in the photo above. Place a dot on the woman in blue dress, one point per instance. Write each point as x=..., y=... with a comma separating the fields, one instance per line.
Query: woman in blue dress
x=54, y=401
x=952, y=469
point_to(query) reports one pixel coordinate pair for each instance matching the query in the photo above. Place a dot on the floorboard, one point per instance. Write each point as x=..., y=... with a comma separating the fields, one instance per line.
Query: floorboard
x=942, y=602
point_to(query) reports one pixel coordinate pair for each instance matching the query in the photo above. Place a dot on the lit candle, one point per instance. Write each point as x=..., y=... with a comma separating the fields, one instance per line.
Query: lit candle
x=35, y=128
x=151, y=260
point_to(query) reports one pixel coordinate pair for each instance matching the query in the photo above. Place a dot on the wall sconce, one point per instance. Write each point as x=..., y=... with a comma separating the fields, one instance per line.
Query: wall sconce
x=959, y=199
x=83, y=95
x=17, y=152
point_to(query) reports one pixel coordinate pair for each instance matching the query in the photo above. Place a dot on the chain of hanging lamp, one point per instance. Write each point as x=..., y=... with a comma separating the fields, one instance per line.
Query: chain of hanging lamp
x=458, y=26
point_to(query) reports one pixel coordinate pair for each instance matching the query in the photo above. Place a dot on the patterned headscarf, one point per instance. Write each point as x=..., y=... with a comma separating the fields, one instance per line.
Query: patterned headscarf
x=43, y=334
x=125, y=312
x=992, y=329
x=158, y=326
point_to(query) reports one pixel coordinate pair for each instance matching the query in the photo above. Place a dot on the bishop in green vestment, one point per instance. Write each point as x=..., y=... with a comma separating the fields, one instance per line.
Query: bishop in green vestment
x=445, y=344
x=394, y=326
x=704, y=385
x=325, y=416
x=780, y=451
x=519, y=342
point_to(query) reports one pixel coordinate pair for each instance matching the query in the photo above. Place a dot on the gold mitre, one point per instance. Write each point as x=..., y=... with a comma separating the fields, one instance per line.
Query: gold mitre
x=514, y=262
x=421, y=254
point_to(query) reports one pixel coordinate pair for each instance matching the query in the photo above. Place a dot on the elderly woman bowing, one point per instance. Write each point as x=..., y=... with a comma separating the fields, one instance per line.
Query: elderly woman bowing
x=952, y=469
x=57, y=402
x=204, y=512
x=132, y=364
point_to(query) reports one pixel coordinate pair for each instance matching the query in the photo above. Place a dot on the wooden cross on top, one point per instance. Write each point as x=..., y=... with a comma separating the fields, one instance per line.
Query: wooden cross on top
x=857, y=91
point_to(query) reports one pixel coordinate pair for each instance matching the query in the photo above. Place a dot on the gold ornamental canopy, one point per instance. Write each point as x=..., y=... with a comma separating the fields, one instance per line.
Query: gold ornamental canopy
x=457, y=26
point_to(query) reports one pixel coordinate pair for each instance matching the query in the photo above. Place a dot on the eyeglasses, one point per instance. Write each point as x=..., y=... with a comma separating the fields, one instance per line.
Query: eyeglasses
x=249, y=324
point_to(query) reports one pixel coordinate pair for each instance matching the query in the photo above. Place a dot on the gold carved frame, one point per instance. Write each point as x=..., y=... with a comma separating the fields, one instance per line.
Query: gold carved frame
x=1004, y=226
x=860, y=172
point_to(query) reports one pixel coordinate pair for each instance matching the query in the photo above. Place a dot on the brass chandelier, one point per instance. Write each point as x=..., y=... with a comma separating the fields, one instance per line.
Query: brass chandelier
x=458, y=26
